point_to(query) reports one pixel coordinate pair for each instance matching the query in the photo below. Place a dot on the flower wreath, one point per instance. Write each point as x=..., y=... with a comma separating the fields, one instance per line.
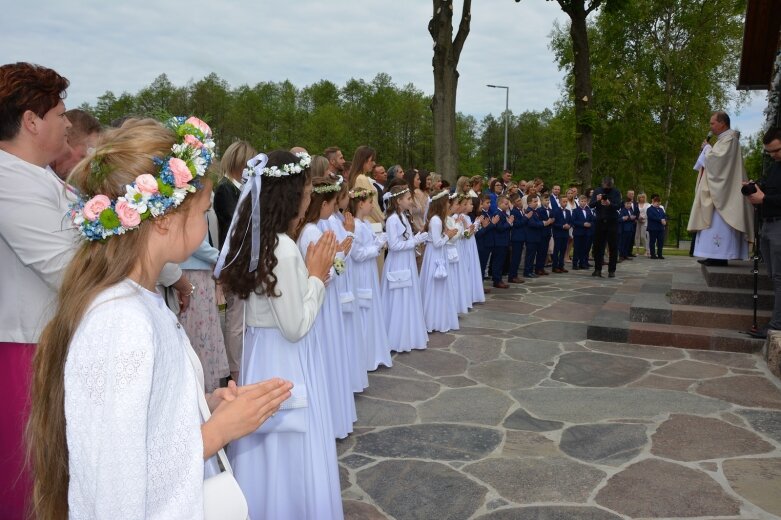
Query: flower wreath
x=329, y=188
x=361, y=193
x=304, y=160
x=150, y=195
x=439, y=195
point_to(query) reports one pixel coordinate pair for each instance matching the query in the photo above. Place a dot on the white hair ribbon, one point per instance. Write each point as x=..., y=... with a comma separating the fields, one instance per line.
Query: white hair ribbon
x=252, y=184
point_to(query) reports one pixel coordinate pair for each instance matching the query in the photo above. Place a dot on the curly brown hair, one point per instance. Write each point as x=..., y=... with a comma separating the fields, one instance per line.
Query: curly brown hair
x=280, y=198
x=24, y=86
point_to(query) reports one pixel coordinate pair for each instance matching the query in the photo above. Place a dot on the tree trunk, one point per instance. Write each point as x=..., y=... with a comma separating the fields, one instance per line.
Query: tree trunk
x=445, y=62
x=584, y=136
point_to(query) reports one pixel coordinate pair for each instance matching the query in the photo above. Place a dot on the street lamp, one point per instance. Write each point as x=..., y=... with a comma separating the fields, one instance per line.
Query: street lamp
x=506, y=118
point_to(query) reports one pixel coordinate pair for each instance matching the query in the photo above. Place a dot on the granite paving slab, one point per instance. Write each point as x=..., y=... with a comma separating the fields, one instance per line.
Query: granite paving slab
x=421, y=490
x=532, y=480
x=660, y=489
x=691, y=438
x=757, y=480
x=595, y=369
x=501, y=419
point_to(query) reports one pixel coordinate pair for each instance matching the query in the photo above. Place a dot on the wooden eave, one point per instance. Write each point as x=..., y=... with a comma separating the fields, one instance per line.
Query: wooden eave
x=760, y=44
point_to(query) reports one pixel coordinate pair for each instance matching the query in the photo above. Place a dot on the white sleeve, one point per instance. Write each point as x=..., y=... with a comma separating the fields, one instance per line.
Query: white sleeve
x=108, y=382
x=364, y=246
x=169, y=275
x=38, y=231
x=300, y=297
x=438, y=239
x=396, y=240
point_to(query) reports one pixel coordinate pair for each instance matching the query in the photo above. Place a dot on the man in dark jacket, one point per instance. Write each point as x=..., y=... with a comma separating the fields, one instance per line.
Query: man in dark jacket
x=606, y=201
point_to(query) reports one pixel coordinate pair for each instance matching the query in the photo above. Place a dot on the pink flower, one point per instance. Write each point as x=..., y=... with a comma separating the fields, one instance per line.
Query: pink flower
x=146, y=183
x=182, y=174
x=94, y=207
x=127, y=215
x=193, y=141
x=200, y=125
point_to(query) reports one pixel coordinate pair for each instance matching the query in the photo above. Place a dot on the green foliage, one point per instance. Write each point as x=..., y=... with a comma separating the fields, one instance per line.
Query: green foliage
x=658, y=69
x=395, y=120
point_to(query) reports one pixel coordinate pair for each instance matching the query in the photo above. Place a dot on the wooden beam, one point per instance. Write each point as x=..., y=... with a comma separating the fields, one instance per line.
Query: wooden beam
x=760, y=44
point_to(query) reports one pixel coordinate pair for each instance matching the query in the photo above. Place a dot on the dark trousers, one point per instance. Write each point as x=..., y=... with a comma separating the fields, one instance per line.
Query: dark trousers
x=627, y=237
x=559, y=250
x=483, y=253
x=542, y=253
x=656, y=239
x=515, y=258
x=580, y=253
x=498, y=254
x=589, y=246
x=606, y=234
x=770, y=245
x=531, y=255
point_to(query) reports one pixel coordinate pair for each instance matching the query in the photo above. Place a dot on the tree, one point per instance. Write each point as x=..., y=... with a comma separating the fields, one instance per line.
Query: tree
x=447, y=51
x=578, y=11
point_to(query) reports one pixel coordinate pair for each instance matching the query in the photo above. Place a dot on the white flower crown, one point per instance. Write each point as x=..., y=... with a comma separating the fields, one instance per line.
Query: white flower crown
x=285, y=170
x=439, y=195
x=329, y=188
x=150, y=195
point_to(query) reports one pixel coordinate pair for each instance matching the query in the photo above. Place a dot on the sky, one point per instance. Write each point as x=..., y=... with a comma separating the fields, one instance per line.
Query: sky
x=123, y=46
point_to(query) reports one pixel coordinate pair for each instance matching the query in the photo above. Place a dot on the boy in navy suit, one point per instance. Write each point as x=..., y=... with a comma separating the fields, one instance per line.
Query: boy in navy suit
x=517, y=237
x=582, y=222
x=542, y=250
x=485, y=235
x=501, y=240
x=561, y=226
x=534, y=227
x=626, y=226
x=657, y=220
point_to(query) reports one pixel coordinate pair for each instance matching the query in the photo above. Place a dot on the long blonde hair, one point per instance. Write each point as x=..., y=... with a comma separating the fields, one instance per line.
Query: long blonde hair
x=235, y=158
x=124, y=153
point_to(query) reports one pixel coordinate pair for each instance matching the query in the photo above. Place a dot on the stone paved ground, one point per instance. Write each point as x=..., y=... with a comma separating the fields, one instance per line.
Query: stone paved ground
x=518, y=416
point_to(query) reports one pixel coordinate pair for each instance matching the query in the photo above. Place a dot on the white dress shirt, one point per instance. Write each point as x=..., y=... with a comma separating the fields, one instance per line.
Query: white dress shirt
x=37, y=240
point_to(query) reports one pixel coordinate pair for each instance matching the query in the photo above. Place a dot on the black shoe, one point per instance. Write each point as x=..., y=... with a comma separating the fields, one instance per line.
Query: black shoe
x=759, y=333
x=702, y=261
x=654, y=257
x=631, y=255
x=597, y=272
x=661, y=257
x=611, y=274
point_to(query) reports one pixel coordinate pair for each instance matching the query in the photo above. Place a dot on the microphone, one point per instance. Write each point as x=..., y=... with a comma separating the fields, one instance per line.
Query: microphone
x=710, y=134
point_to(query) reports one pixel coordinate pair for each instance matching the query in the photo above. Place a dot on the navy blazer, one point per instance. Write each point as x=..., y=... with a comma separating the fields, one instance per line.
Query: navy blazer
x=655, y=216
x=545, y=214
x=627, y=225
x=519, y=226
x=579, y=217
x=562, y=216
x=502, y=231
x=485, y=235
x=534, y=227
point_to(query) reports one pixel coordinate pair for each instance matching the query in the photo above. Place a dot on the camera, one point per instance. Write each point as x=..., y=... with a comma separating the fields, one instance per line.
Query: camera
x=749, y=189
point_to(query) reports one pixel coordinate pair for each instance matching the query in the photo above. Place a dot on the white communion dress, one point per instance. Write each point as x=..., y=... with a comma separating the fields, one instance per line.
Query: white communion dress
x=439, y=301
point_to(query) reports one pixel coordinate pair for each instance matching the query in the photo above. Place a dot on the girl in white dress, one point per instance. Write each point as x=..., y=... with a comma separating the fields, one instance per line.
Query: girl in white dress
x=472, y=256
x=343, y=226
x=439, y=300
x=329, y=326
x=287, y=468
x=400, y=282
x=363, y=263
x=115, y=428
x=467, y=253
x=460, y=289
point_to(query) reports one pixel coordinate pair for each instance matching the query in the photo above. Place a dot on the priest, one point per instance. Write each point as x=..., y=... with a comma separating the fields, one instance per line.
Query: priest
x=720, y=215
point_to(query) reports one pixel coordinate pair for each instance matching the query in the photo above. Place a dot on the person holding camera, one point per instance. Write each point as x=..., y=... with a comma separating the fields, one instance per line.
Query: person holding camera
x=723, y=220
x=765, y=194
x=606, y=201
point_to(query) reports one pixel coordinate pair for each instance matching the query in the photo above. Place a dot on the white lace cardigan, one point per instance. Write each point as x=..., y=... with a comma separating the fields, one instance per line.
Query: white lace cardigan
x=131, y=410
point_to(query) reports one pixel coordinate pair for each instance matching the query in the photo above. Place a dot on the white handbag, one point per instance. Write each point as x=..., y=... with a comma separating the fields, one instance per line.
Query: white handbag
x=222, y=496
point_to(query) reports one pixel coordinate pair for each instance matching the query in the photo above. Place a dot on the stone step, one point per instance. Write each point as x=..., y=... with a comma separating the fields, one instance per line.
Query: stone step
x=737, y=275
x=656, y=308
x=690, y=288
x=669, y=335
